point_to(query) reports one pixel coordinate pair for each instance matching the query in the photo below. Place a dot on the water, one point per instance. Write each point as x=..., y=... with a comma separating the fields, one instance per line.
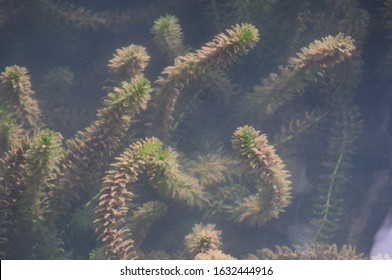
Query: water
x=328, y=121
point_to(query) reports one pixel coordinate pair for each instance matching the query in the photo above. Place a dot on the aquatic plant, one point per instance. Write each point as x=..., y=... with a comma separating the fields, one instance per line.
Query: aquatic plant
x=310, y=63
x=341, y=148
x=273, y=191
x=128, y=62
x=10, y=132
x=27, y=172
x=168, y=36
x=214, y=255
x=220, y=52
x=162, y=170
x=91, y=149
x=309, y=252
x=17, y=98
x=202, y=240
x=144, y=217
x=165, y=170
x=82, y=17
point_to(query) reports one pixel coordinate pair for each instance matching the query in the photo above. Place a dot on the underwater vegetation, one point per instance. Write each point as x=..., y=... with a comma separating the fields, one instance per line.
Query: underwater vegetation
x=254, y=141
